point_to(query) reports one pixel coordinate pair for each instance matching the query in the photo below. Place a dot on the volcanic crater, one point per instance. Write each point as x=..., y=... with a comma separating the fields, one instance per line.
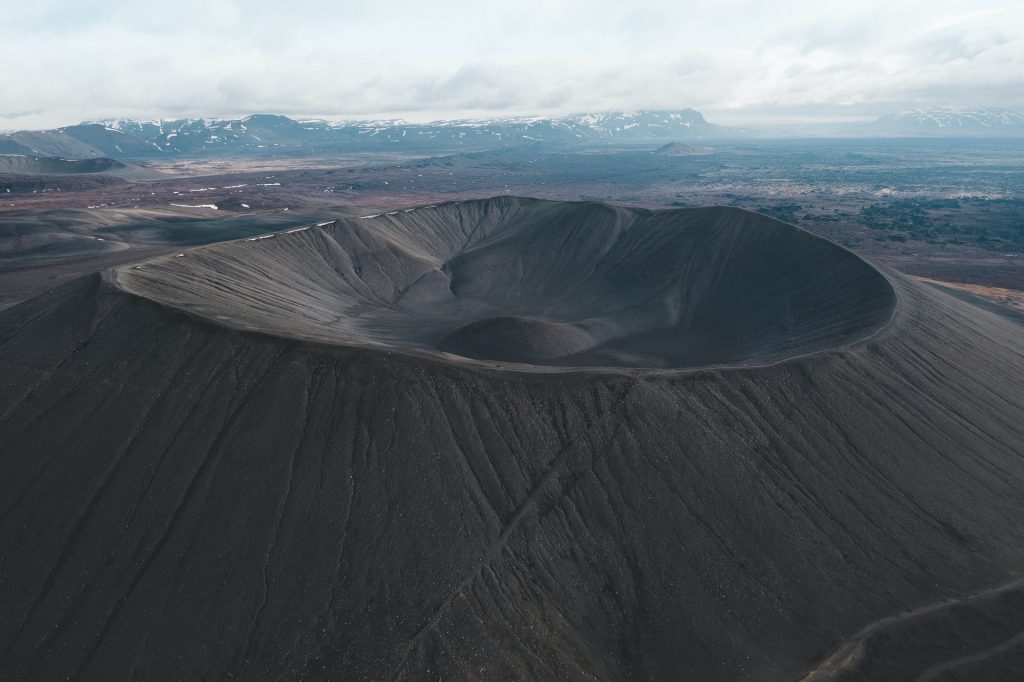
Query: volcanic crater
x=539, y=283
x=295, y=457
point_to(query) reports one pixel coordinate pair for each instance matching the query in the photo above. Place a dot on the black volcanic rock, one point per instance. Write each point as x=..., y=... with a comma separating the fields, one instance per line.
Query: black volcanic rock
x=258, y=461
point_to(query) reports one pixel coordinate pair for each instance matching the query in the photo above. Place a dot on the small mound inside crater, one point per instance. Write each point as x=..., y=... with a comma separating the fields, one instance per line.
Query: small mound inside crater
x=539, y=283
x=516, y=339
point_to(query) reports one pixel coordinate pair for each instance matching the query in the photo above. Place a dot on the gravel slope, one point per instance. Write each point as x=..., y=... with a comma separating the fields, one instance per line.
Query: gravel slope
x=282, y=495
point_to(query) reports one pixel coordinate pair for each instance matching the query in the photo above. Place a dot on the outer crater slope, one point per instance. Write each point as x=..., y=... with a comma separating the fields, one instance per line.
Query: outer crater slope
x=542, y=283
x=296, y=458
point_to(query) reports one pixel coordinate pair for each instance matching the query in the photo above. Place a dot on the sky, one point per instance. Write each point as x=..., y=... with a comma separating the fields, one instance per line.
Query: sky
x=740, y=63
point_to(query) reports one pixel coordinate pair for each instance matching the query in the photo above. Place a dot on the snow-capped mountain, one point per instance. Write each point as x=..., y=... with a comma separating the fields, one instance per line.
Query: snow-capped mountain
x=953, y=121
x=264, y=131
x=125, y=138
x=192, y=135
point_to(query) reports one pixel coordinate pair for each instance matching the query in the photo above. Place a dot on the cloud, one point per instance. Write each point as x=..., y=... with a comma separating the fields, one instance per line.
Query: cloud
x=67, y=60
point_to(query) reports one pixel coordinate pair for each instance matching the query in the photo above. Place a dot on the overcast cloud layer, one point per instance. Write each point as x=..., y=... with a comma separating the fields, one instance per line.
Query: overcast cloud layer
x=746, y=62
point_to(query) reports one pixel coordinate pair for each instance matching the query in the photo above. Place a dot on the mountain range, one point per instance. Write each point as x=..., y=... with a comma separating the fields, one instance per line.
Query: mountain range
x=272, y=133
x=952, y=121
x=268, y=133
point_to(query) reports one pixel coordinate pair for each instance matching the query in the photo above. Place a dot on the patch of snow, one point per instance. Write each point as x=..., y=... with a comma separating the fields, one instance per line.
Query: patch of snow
x=213, y=206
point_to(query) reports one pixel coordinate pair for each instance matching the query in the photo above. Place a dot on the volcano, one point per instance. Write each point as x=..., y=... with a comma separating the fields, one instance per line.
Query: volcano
x=510, y=439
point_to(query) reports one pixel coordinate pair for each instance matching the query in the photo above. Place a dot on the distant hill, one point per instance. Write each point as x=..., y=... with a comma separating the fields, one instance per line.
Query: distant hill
x=20, y=164
x=265, y=133
x=35, y=165
x=9, y=146
x=83, y=141
x=680, y=149
x=37, y=184
x=948, y=121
